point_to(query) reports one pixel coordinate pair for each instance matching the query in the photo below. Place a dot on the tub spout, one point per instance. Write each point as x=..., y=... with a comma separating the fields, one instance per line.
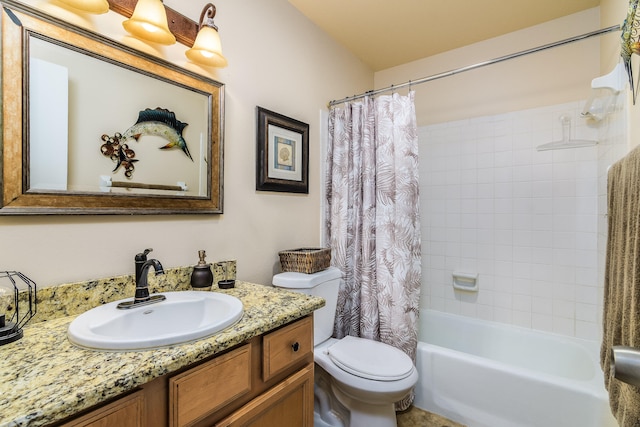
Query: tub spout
x=625, y=364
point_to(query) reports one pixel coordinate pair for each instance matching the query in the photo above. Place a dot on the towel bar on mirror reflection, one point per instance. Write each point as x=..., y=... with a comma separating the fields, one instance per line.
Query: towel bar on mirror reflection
x=106, y=183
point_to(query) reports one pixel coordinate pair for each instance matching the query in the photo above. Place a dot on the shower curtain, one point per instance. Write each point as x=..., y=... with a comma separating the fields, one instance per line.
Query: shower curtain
x=372, y=220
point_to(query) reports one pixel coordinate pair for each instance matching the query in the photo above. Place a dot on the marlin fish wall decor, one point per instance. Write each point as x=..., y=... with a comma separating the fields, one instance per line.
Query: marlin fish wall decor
x=160, y=122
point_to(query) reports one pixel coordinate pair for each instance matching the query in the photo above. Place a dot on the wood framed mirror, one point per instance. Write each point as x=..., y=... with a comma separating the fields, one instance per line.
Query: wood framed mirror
x=90, y=126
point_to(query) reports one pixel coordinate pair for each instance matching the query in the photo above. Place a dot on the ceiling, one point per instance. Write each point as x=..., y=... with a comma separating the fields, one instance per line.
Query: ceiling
x=386, y=33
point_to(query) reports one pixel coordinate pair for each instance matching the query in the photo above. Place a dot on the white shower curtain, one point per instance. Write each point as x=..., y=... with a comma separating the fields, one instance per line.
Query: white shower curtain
x=373, y=224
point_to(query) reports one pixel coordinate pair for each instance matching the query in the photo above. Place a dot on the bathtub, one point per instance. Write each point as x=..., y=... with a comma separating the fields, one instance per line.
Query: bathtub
x=487, y=374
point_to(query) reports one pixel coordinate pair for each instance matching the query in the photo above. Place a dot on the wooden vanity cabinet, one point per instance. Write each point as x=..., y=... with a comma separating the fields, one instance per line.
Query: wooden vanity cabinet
x=265, y=382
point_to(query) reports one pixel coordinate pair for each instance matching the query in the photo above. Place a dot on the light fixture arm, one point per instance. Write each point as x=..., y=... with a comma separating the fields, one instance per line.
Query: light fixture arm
x=207, y=15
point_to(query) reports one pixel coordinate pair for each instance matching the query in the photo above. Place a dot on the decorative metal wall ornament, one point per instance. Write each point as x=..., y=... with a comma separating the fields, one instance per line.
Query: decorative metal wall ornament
x=119, y=153
x=630, y=42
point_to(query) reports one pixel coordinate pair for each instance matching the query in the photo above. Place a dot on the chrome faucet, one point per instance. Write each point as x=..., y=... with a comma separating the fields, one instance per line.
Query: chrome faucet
x=625, y=364
x=142, y=296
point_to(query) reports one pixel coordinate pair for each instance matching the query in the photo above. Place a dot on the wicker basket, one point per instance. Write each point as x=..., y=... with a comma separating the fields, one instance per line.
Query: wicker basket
x=305, y=260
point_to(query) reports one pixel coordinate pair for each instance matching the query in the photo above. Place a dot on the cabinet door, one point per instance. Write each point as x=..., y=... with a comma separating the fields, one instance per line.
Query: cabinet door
x=289, y=403
x=125, y=412
x=202, y=390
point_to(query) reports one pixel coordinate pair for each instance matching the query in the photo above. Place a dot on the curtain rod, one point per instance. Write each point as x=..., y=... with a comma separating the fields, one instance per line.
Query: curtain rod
x=478, y=65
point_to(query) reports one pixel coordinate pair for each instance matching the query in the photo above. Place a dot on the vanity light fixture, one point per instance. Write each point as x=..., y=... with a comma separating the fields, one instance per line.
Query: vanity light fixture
x=149, y=22
x=96, y=7
x=207, y=48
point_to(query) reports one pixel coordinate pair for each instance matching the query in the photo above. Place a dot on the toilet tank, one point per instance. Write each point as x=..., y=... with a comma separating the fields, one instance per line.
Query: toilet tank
x=324, y=284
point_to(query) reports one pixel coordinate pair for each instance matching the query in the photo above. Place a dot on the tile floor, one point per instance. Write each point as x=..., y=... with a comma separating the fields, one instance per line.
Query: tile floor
x=415, y=417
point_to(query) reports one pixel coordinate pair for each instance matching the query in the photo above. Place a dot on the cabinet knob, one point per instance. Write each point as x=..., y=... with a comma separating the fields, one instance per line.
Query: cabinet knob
x=295, y=346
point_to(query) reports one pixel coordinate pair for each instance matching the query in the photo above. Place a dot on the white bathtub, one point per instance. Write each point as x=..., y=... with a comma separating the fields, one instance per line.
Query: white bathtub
x=487, y=374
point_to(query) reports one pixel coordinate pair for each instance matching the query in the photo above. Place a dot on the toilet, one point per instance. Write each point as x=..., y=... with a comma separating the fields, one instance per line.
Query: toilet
x=357, y=380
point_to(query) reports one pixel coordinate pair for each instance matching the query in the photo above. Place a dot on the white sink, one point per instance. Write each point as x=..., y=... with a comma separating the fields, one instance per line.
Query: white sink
x=181, y=317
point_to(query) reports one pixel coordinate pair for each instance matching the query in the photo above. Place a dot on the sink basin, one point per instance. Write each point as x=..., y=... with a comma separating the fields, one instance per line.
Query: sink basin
x=181, y=317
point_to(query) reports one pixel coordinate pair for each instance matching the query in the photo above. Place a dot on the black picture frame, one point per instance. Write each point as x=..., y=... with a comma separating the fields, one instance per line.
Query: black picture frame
x=282, y=158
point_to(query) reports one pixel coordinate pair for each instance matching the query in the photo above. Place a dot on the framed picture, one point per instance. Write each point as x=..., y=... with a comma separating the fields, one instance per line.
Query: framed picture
x=282, y=162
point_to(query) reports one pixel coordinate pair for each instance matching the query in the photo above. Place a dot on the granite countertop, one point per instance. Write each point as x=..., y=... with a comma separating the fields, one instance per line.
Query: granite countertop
x=44, y=378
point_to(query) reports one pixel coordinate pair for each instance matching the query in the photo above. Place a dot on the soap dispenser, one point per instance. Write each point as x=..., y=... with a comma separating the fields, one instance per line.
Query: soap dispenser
x=201, y=277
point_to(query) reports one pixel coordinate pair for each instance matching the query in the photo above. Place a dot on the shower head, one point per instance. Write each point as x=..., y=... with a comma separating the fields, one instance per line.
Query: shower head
x=604, y=92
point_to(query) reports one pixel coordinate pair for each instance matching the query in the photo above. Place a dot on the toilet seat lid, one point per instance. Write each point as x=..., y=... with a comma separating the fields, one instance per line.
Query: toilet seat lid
x=370, y=359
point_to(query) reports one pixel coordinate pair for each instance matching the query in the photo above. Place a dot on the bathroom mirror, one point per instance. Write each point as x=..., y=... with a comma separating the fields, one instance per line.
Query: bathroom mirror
x=91, y=126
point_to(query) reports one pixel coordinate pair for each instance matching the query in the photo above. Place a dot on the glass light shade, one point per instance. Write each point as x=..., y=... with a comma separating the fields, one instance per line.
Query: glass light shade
x=207, y=48
x=149, y=22
x=96, y=7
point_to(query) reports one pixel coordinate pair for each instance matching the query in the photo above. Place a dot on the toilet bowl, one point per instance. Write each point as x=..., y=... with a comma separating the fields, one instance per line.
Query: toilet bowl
x=357, y=381
x=384, y=376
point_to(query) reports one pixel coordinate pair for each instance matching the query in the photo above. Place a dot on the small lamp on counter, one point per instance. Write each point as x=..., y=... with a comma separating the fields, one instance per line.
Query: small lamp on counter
x=18, y=304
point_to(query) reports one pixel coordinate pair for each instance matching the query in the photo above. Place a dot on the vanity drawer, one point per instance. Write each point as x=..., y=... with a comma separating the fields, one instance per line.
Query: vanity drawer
x=286, y=347
x=202, y=390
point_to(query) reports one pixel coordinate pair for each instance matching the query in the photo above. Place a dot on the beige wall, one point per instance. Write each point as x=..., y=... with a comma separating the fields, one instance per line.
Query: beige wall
x=277, y=60
x=549, y=77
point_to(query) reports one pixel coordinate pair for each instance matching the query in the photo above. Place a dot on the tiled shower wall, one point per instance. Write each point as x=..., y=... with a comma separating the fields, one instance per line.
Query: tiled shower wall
x=526, y=222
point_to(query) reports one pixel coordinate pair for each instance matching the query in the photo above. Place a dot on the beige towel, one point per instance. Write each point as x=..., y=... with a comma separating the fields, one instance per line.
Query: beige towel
x=621, y=316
